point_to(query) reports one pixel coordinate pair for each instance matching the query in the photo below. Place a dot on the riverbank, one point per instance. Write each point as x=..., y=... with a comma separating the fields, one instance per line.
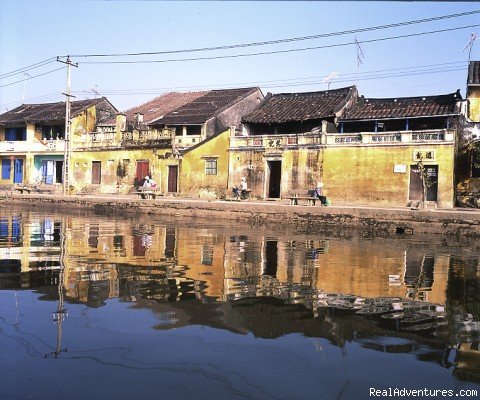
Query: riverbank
x=401, y=221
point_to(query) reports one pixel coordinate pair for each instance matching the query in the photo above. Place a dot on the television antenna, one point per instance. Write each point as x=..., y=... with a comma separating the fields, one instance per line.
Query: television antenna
x=330, y=78
x=25, y=74
x=95, y=90
x=360, y=55
x=469, y=45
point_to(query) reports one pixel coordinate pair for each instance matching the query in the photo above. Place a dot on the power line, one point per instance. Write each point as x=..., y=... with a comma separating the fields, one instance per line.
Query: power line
x=298, y=81
x=287, y=40
x=32, y=77
x=28, y=68
x=281, y=51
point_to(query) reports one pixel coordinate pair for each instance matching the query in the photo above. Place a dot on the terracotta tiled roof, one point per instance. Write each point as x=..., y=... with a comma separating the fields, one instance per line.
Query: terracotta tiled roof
x=205, y=107
x=285, y=107
x=404, y=107
x=474, y=73
x=159, y=106
x=47, y=112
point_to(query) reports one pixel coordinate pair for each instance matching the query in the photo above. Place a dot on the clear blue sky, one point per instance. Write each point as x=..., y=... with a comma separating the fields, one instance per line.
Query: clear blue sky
x=33, y=31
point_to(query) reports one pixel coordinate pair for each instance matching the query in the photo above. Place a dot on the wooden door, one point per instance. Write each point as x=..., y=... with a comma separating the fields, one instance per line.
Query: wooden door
x=172, y=178
x=416, y=184
x=96, y=172
x=143, y=169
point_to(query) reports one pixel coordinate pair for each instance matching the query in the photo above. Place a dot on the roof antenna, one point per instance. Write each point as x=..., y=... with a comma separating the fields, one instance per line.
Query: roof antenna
x=25, y=74
x=360, y=56
x=94, y=90
x=329, y=79
x=469, y=45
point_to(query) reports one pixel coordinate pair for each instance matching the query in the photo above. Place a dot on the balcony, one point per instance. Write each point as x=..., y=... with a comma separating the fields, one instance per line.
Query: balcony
x=110, y=139
x=386, y=138
x=275, y=141
x=266, y=142
x=23, y=146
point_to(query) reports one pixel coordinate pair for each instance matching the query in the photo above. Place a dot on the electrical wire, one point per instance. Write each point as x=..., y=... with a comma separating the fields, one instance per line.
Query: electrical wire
x=28, y=68
x=287, y=40
x=282, y=51
x=32, y=77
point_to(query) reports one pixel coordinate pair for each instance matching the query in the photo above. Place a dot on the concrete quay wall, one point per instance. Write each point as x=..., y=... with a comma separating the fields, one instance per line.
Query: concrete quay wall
x=401, y=221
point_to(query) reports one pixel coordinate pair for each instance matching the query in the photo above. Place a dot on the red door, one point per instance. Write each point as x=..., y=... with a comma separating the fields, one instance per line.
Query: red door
x=143, y=169
x=172, y=178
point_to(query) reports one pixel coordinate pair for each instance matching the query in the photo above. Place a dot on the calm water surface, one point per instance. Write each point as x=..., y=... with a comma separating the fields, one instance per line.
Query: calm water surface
x=96, y=307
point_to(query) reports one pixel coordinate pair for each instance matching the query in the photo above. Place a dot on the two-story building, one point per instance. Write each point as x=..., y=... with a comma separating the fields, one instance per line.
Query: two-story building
x=364, y=151
x=151, y=139
x=280, y=149
x=468, y=159
x=395, y=151
x=32, y=137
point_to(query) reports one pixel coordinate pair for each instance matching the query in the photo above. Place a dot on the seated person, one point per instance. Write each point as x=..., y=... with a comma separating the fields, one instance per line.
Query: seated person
x=150, y=183
x=319, y=194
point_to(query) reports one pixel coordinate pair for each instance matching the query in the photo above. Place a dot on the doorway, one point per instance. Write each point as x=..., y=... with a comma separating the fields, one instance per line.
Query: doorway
x=172, y=178
x=274, y=176
x=18, y=171
x=96, y=172
x=416, y=183
x=143, y=169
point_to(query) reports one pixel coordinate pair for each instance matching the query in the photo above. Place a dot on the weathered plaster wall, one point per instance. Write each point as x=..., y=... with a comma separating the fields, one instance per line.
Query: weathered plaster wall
x=365, y=175
x=112, y=181
x=351, y=175
x=192, y=177
x=474, y=104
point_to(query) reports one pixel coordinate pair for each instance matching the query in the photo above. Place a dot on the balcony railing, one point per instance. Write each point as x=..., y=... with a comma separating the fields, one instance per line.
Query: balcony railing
x=109, y=139
x=342, y=139
x=36, y=146
x=275, y=141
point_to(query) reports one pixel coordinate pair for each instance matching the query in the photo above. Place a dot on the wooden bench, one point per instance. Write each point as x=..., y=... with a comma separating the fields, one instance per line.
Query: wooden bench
x=309, y=196
x=148, y=193
x=22, y=189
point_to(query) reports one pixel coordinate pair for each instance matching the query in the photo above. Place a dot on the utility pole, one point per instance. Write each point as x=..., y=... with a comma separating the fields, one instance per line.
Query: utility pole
x=67, y=153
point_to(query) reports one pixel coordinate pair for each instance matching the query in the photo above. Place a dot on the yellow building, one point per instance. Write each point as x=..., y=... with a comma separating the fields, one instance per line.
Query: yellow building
x=32, y=138
x=386, y=151
x=155, y=138
x=468, y=160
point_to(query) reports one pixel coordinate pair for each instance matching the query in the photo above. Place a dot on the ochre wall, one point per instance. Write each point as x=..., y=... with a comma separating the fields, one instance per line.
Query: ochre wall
x=365, y=175
x=474, y=104
x=192, y=177
x=362, y=175
x=111, y=183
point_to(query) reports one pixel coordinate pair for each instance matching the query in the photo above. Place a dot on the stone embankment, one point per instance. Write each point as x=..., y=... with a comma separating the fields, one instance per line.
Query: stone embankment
x=398, y=221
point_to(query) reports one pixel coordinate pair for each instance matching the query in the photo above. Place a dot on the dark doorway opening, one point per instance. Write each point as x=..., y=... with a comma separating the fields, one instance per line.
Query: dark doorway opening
x=173, y=179
x=416, y=183
x=274, y=179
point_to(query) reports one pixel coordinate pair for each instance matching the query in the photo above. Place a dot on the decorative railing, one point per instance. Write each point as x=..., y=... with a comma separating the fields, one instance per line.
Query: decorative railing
x=385, y=138
x=275, y=141
x=34, y=146
x=126, y=139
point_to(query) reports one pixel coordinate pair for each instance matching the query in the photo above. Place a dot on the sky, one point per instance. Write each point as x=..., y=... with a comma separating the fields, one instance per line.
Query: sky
x=34, y=33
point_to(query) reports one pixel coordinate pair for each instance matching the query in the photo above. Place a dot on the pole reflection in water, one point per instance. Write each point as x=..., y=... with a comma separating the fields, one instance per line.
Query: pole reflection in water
x=207, y=311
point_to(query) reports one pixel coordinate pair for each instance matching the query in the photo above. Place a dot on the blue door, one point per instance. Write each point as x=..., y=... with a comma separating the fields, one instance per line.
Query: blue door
x=18, y=171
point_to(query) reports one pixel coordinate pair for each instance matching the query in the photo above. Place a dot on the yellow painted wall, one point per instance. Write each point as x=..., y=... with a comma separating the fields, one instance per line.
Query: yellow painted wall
x=364, y=175
x=110, y=182
x=474, y=104
x=193, y=179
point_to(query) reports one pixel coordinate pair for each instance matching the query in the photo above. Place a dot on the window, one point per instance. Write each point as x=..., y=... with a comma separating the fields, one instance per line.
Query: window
x=6, y=168
x=15, y=134
x=194, y=130
x=53, y=132
x=211, y=166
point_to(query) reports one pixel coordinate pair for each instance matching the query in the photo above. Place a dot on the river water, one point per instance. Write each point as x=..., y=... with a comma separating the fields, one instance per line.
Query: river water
x=95, y=307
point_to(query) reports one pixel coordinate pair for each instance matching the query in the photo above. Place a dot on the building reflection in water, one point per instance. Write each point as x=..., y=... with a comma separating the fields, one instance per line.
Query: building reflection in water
x=344, y=290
